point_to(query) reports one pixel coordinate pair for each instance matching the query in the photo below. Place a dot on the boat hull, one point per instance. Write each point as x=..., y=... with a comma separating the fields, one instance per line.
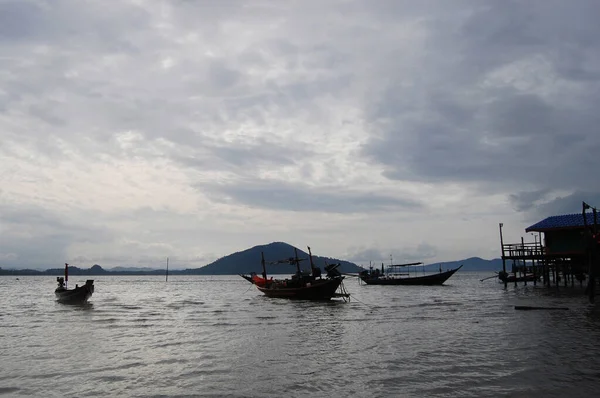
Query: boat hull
x=318, y=289
x=78, y=295
x=426, y=280
x=513, y=278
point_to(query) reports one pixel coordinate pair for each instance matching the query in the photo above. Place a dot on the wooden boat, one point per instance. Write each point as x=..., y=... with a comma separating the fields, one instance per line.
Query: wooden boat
x=79, y=295
x=302, y=285
x=505, y=277
x=375, y=277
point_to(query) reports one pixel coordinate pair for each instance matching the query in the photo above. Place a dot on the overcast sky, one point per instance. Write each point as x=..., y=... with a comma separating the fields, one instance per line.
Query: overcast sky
x=134, y=130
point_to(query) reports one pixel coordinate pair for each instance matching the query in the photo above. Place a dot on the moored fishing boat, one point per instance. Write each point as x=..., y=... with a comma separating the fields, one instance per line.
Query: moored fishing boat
x=376, y=277
x=505, y=277
x=303, y=285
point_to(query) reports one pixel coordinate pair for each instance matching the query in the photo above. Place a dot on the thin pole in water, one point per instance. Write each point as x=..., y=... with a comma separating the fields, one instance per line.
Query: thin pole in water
x=167, y=274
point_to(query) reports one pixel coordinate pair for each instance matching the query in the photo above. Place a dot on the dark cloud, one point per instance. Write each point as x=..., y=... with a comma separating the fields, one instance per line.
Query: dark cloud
x=279, y=195
x=244, y=157
x=524, y=201
x=421, y=252
x=36, y=237
x=496, y=120
x=567, y=204
x=19, y=20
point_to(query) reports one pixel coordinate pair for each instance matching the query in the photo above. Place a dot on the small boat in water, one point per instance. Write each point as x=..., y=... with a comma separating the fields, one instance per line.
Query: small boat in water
x=376, y=277
x=79, y=295
x=302, y=285
x=505, y=277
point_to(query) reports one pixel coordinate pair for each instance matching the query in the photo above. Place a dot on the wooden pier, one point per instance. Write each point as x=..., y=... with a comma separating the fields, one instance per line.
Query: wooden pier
x=530, y=262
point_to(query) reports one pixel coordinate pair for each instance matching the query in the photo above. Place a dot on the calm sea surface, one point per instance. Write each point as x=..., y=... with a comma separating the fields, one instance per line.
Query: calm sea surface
x=218, y=336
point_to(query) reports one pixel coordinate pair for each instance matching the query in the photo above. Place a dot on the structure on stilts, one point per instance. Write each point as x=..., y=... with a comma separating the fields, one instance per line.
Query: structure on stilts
x=567, y=253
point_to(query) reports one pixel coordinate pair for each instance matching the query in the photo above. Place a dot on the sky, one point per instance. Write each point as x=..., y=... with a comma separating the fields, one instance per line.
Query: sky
x=135, y=130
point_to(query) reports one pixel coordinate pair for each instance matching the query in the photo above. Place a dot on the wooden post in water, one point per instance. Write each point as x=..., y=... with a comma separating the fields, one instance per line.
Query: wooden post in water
x=502, y=249
x=543, y=260
x=167, y=273
x=524, y=261
x=572, y=274
x=533, y=262
x=595, y=255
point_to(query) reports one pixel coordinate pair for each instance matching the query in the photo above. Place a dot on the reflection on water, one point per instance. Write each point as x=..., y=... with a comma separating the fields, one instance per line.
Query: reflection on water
x=195, y=336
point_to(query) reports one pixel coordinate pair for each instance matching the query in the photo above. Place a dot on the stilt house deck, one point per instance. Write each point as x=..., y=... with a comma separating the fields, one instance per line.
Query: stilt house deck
x=565, y=253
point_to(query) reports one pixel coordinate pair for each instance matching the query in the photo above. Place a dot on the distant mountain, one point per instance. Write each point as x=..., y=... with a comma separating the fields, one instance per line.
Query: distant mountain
x=249, y=260
x=134, y=269
x=76, y=271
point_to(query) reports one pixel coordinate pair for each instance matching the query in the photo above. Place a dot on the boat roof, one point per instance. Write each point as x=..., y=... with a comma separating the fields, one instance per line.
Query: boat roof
x=565, y=221
x=404, y=265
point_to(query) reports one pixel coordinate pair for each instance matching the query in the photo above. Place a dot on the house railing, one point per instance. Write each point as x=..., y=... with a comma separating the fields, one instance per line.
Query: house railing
x=523, y=250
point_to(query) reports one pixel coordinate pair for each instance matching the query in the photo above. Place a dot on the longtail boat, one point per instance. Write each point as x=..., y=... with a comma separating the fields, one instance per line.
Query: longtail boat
x=376, y=277
x=303, y=285
x=79, y=295
x=505, y=277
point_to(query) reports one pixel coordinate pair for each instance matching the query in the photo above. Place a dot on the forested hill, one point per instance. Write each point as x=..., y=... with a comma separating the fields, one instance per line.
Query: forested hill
x=250, y=260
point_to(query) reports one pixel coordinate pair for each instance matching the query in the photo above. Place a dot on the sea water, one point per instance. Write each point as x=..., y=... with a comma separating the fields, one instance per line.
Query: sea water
x=141, y=336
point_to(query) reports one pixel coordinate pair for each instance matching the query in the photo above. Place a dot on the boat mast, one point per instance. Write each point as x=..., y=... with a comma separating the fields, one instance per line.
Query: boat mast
x=312, y=266
x=297, y=260
x=262, y=261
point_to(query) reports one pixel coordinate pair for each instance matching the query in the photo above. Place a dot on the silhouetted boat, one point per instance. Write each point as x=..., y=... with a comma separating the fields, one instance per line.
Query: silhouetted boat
x=302, y=285
x=79, y=295
x=507, y=278
x=376, y=277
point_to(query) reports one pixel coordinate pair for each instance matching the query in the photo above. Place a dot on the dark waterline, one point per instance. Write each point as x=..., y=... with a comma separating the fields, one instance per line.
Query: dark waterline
x=218, y=336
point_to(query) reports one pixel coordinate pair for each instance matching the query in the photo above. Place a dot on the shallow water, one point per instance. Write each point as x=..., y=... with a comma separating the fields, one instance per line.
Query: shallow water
x=218, y=336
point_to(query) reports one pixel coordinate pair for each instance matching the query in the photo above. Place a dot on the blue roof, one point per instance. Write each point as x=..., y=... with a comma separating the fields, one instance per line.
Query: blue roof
x=564, y=221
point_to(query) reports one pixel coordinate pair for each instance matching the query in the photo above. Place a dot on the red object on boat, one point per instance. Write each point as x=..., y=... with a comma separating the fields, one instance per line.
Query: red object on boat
x=260, y=281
